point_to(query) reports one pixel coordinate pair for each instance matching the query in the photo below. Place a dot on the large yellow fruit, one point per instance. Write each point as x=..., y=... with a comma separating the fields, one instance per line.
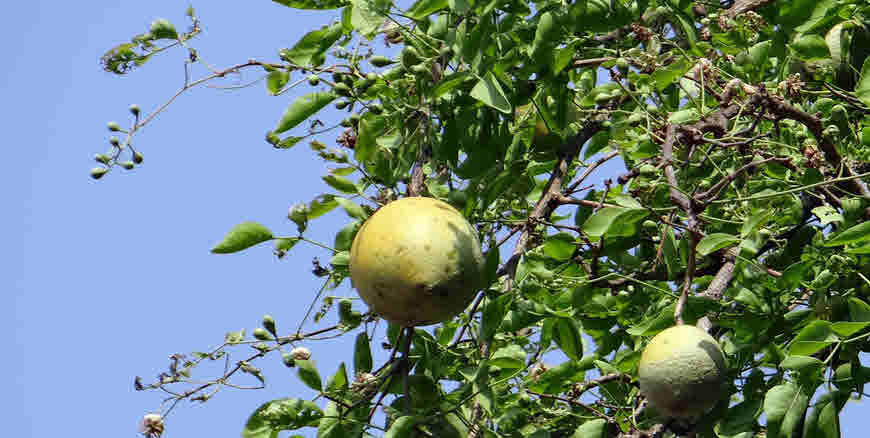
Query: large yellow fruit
x=416, y=261
x=681, y=372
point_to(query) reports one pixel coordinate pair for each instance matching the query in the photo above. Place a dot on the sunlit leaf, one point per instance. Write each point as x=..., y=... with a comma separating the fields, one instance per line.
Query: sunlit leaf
x=303, y=108
x=243, y=236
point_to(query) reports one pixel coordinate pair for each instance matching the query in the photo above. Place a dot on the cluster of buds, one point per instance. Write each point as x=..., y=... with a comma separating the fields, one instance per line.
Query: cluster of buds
x=152, y=426
x=364, y=384
x=791, y=86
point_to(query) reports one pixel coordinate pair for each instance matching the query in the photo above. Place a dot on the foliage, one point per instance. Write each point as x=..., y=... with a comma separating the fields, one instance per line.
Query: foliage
x=745, y=135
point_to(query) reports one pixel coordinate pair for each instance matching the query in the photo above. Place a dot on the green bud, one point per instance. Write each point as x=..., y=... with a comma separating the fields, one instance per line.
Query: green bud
x=342, y=89
x=606, y=124
x=622, y=65
x=313, y=80
x=446, y=51
x=101, y=158
x=128, y=165
x=138, y=158
x=261, y=334
x=134, y=109
x=269, y=324
x=647, y=169
x=113, y=126
x=650, y=226
x=372, y=77
x=376, y=108
x=380, y=61
x=98, y=172
x=342, y=104
x=823, y=280
x=114, y=141
x=346, y=123
x=410, y=56
x=420, y=69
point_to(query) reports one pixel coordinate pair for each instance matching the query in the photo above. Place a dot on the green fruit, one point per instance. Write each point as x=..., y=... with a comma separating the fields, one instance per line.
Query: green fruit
x=341, y=89
x=288, y=360
x=416, y=261
x=114, y=141
x=113, y=126
x=372, y=77
x=823, y=280
x=647, y=169
x=261, y=334
x=380, y=61
x=101, y=158
x=134, y=109
x=376, y=108
x=128, y=165
x=138, y=158
x=682, y=371
x=410, y=56
x=313, y=80
x=650, y=226
x=342, y=104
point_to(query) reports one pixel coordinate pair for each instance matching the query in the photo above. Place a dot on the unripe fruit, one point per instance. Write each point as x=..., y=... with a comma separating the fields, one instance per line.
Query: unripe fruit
x=681, y=372
x=288, y=360
x=341, y=89
x=416, y=261
x=134, y=109
x=342, y=104
x=101, y=158
x=376, y=108
x=128, y=165
x=410, y=56
x=313, y=80
x=372, y=77
x=114, y=141
x=113, y=126
x=138, y=158
x=380, y=61
x=262, y=334
x=98, y=172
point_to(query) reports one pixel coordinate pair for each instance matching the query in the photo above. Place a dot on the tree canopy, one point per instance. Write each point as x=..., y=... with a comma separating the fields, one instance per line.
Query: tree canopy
x=743, y=209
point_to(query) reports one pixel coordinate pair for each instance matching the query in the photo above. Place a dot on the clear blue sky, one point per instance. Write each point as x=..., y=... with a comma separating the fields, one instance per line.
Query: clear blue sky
x=109, y=278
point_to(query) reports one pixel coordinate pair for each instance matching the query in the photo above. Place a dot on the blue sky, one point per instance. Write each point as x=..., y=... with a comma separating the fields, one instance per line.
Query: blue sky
x=109, y=278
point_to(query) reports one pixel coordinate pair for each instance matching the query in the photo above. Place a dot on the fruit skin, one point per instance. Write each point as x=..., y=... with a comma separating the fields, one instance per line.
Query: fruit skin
x=416, y=261
x=682, y=371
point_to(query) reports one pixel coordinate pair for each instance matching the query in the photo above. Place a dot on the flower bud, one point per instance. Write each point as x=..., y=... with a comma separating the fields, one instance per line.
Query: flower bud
x=300, y=353
x=269, y=324
x=114, y=141
x=113, y=126
x=152, y=425
x=261, y=334
x=98, y=172
x=138, y=158
x=134, y=109
x=128, y=165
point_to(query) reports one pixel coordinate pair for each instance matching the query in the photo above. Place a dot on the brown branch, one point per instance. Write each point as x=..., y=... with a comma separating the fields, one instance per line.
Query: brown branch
x=580, y=388
x=571, y=402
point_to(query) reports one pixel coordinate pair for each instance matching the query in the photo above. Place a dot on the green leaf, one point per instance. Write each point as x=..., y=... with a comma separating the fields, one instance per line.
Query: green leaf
x=856, y=234
x=362, y=354
x=403, y=427
x=568, y=337
x=330, y=426
x=827, y=214
x=490, y=93
x=285, y=244
x=493, y=315
x=353, y=209
x=785, y=405
x=613, y=221
x=371, y=127
x=312, y=4
x=344, y=237
x=511, y=357
x=862, y=90
x=824, y=421
x=810, y=48
x=844, y=329
x=243, y=236
x=368, y=15
x=812, y=338
x=309, y=375
x=547, y=33
x=459, y=6
x=559, y=246
x=281, y=414
x=714, y=242
x=320, y=206
x=801, y=363
x=303, y=108
x=492, y=261
x=591, y=429
x=341, y=184
x=161, y=28
x=288, y=142
x=668, y=75
x=338, y=381
x=597, y=143
x=423, y=8
x=859, y=311
x=276, y=80
x=313, y=45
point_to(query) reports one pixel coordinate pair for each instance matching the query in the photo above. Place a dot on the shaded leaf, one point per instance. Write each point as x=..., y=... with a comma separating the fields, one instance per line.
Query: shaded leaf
x=362, y=354
x=855, y=234
x=341, y=184
x=312, y=4
x=812, y=338
x=489, y=92
x=785, y=405
x=714, y=242
x=309, y=375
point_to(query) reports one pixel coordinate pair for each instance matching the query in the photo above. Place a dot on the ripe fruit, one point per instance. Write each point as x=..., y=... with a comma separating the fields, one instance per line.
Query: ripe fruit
x=416, y=261
x=681, y=372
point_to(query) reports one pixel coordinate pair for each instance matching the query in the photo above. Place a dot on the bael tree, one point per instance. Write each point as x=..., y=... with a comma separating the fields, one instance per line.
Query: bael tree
x=744, y=127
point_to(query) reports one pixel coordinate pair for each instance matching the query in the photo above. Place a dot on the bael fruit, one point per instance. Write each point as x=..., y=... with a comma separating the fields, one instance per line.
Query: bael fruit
x=416, y=261
x=681, y=372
